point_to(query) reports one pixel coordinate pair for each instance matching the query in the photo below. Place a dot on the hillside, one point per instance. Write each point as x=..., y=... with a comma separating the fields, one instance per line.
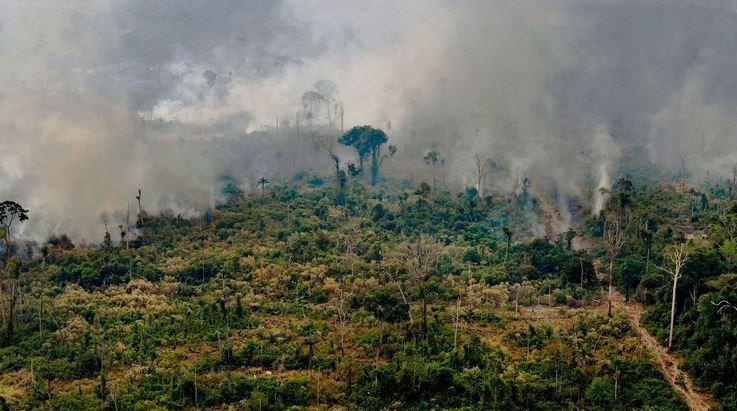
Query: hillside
x=310, y=296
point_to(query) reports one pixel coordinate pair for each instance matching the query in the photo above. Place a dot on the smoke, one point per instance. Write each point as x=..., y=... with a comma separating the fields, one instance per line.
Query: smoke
x=100, y=98
x=606, y=157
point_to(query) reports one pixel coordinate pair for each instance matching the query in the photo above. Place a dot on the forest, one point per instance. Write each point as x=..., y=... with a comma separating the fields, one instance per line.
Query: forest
x=358, y=291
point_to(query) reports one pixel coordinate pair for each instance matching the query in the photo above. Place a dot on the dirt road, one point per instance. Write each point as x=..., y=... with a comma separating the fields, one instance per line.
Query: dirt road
x=667, y=363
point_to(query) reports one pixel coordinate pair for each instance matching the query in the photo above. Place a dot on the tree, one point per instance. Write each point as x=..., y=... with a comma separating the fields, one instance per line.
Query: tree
x=677, y=256
x=327, y=145
x=310, y=102
x=263, y=181
x=342, y=183
x=421, y=257
x=703, y=262
x=392, y=151
x=354, y=171
x=140, y=208
x=433, y=159
x=614, y=239
x=339, y=303
x=600, y=394
x=482, y=169
x=423, y=189
x=624, y=191
x=508, y=236
x=367, y=141
x=334, y=107
x=107, y=242
x=569, y=235
x=10, y=212
x=729, y=250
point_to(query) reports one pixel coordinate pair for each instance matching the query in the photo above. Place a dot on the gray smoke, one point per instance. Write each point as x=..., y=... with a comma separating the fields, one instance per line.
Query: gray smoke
x=99, y=98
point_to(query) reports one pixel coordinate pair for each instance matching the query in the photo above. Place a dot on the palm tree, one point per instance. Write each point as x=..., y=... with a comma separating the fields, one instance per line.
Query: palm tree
x=263, y=181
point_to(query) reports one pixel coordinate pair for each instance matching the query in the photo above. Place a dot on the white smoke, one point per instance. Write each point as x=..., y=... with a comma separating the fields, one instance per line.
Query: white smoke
x=99, y=98
x=606, y=157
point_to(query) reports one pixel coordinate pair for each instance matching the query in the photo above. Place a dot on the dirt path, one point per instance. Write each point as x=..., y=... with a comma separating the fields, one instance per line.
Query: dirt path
x=667, y=363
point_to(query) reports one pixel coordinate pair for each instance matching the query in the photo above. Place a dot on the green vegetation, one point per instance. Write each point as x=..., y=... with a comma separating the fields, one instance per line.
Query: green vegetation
x=699, y=224
x=335, y=294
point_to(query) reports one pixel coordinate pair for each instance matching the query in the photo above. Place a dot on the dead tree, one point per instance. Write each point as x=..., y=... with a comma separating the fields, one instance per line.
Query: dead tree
x=404, y=298
x=482, y=169
x=677, y=256
x=614, y=239
x=140, y=209
x=516, y=300
x=340, y=304
x=128, y=227
x=327, y=145
x=421, y=257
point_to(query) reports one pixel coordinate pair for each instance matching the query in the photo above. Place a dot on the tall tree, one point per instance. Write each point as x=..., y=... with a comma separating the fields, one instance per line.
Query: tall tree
x=421, y=257
x=140, y=207
x=624, y=193
x=675, y=257
x=367, y=141
x=614, y=239
x=326, y=144
x=10, y=212
x=482, y=170
x=433, y=159
x=329, y=91
x=263, y=181
x=311, y=100
x=508, y=237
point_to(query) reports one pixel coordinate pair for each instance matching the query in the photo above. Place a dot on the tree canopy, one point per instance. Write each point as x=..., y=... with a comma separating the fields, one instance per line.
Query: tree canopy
x=367, y=141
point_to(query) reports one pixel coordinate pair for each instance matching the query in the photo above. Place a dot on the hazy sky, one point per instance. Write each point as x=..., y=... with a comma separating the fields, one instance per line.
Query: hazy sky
x=550, y=89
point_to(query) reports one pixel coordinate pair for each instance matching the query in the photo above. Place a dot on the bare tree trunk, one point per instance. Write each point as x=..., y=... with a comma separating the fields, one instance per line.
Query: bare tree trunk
x=678, y=257
x=693, y=294
x=2, y=301
x=616, y=385
x=611, y=272
x=128, y=240
x=40, y=311
x=455, y=331
x=424, y=313
x=409, y=307
x=196, y=403
x=580, y=261
x=140, y=208
x=11, y=311
x=672, y=312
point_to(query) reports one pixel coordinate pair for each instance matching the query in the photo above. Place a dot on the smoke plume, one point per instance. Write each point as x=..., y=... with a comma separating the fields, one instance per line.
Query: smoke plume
x=102, y=97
